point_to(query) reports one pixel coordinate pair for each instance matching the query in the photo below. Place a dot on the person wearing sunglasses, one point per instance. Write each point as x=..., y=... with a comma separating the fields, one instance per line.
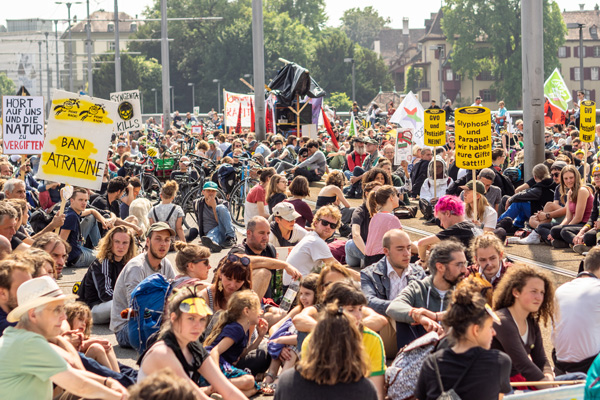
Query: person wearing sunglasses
x=312, y=250
x=178, y=349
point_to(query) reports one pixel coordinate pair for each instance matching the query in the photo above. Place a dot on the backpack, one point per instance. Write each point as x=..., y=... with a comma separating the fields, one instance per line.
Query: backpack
x=401, y=377
x=226, y=177
x=40, y=219
x=148, y=301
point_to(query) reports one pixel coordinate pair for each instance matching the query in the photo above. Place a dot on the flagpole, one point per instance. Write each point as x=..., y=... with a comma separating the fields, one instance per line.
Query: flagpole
x=474, y=196
x=434, y=173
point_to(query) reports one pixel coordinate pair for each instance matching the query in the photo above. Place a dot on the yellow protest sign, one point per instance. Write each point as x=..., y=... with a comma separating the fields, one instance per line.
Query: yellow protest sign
x=78, y=136
x=473, y=132
x=587, y=121
x=435, y=127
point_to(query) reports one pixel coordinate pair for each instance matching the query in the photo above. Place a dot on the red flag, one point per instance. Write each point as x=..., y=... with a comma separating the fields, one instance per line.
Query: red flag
x=238, y=126
x=269, y=119
x=329, y=130
x=252, y=122
x=553, y=115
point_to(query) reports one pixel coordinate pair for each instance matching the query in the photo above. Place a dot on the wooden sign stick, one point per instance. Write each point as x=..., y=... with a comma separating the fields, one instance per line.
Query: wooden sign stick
x=546, y=383
x=65, y=194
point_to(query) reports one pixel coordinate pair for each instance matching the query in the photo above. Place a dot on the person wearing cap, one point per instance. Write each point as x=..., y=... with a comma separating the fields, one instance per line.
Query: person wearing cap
x=486, y=217
x=35, y=363
x=214, y=151
x=284, y=229
x=215, y=226
x=178, y=349
x=279, y=154
x=354, y=191
x=255, y=147
x=152, y=261
x=185, y=170
x=477, y=102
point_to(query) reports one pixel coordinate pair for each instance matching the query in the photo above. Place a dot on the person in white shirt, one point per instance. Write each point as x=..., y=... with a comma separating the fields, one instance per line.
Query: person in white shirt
x=577, y=318
x=312, y=250
x=486, y=215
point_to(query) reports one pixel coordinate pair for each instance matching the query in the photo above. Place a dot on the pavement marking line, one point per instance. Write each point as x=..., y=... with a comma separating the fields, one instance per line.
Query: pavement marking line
x=552, y=268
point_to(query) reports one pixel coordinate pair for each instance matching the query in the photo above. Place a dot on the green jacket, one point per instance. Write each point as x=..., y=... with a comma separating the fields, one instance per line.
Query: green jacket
x=418, y=294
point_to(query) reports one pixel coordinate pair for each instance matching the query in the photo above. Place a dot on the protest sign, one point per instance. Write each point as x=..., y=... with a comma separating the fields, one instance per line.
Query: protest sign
x=130, y=114
x=196, y=129
x=435, y=127
x=473, y=132
x=236, y=103
x=403, y=145
x=76, y=146
x=409, y=114
x=196, y=111
x=587, y=121
x=23, y=124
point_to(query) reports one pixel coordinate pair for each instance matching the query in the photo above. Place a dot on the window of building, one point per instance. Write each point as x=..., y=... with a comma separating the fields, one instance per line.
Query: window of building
x=111, y=46
x=576, y=74
x=449, y=75
x=595, y=72
x=425, y=96
x=487, y=95
x=596, y=51
x=562, y=52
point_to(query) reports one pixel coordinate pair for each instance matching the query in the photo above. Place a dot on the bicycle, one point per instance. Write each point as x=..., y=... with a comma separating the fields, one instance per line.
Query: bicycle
x=237, y=198
x=151, y=186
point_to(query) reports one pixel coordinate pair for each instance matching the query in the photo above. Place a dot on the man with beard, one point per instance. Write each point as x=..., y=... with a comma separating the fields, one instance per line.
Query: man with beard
x=420, y=306
x=12, y=275
x=137, y=269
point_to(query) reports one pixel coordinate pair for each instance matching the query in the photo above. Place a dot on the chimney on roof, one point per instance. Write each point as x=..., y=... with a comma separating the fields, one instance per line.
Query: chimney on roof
x=405, y=26
x=581, y=6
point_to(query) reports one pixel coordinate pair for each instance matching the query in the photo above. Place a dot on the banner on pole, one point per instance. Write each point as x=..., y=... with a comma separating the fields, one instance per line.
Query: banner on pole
x=403, y=145
x=130, y=114
x=435, y=127
x=587, y=121
x=76, y=145
x=410, y=114
x=473, y=134
x=23, y=124
x=556, y=90
x=236, y=103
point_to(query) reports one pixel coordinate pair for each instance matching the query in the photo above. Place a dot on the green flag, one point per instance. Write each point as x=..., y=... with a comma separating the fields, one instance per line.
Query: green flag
x=557, y=91
x=352, y=128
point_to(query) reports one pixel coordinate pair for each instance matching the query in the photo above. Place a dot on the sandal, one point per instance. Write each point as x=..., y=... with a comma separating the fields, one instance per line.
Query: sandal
x=267, y=389
x=269, y=375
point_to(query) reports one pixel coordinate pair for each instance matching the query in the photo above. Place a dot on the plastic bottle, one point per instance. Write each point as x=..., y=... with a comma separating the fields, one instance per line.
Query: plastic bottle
x=290, y=296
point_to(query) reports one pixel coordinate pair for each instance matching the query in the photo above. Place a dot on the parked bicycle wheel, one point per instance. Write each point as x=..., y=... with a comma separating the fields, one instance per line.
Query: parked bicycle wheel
x=190, y=220
x=237, y=200
x=151, y=188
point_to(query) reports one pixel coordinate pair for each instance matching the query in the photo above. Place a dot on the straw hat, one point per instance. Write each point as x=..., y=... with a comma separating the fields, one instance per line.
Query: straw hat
x=34, y=293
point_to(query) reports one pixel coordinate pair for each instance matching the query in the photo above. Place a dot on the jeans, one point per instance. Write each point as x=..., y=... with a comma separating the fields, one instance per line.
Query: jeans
x=89, y=227
x=355, y=189
x=353, y=255
x=86, y=258
x=225, y=228
x=123, y=337
x=563, y=234
x=311, y=175
x=519, y=212
x=283, y=166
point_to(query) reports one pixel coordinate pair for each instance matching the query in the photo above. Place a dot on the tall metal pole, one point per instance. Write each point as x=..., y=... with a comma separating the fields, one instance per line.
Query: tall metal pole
x=70, y=50
x=57, y=66
x=172, y=98
x=219, y=97
x=155, y=100
x=40, y=66
x=581, y=58
x=48, y=77
x=258, y=59
x=353, y=81
x=532, y=56
x=164, y=51
x=193, y=97
x=117, y=50
x=441, y=49
x=88, y=46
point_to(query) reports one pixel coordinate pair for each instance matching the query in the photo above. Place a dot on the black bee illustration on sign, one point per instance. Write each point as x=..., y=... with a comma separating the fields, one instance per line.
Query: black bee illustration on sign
x=92, y=111
x=66, y=106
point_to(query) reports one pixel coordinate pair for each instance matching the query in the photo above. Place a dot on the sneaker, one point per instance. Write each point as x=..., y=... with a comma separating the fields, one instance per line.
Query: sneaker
x=532, y=238
x=229, y=242
x=212, y=246
x=512, y=240
x=580, y=248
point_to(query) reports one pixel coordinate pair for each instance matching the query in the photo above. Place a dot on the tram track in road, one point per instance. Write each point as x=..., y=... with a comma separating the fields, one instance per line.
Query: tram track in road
x=557, y=270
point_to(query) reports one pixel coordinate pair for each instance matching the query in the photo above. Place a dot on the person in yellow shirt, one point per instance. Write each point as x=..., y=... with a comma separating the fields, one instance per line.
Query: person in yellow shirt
x=352, y=301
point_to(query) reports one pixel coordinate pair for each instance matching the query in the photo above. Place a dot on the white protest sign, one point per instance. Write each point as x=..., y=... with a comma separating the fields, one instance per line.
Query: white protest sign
x=23, y=124
x=403, y=145
x=130, y=114
x=309, y=130
x=196, y=129
x=76, y=146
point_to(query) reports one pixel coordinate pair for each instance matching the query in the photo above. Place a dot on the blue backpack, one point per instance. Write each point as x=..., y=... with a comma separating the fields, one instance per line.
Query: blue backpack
x=147, y=306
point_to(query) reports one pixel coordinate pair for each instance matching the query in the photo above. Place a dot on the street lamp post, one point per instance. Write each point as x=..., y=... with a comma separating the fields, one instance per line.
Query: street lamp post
x=88, y=45
x=56, y=41
x=578, y=25
x=218, y=82
x=69, y=4
x=193, y=97
x=155, y=100
x=48, y=77
x=440, y=49
x=117, y=50
x=40, y=64
x=351, y=60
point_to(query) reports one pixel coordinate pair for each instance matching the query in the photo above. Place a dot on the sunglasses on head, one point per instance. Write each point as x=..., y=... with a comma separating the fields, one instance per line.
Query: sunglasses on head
x=325, y=223
x=244, y=260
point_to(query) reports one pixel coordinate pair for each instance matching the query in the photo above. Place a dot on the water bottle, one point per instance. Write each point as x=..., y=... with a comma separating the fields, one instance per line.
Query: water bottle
x=290, y=296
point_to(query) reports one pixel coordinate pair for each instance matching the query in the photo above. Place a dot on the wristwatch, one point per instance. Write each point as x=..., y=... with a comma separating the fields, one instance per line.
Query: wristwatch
x=548, y=216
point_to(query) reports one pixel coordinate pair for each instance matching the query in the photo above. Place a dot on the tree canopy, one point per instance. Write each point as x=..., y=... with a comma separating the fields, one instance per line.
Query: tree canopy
x=486, y=37
x=7, y=86
x=363, y=26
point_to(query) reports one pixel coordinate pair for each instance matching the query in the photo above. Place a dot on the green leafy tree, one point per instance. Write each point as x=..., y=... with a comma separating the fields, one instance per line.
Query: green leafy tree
x=486, y=36
x=7, y=86
x=363, y=26
x=340, y=101
x=309, y=13
x=371, y=74
x=327, y=66
x=413, y=78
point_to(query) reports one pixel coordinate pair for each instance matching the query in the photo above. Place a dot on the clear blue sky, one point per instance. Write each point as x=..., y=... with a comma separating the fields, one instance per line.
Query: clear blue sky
x=417, y=12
